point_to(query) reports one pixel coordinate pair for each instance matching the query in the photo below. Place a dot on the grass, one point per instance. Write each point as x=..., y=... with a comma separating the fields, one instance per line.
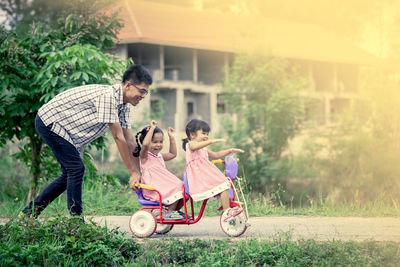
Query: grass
x=102, y=198
x=67, y=242
x=63, y=241
x=275, y=252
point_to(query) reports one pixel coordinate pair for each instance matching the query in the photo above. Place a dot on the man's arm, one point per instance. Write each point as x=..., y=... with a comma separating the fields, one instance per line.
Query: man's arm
x=131, y=145
x=125, y=153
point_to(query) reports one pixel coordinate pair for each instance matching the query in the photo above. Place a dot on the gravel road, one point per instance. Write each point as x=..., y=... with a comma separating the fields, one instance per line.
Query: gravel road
x=297, y=227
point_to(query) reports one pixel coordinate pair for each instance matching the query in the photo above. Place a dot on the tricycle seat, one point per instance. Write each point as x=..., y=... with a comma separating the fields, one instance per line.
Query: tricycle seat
x=145, y=202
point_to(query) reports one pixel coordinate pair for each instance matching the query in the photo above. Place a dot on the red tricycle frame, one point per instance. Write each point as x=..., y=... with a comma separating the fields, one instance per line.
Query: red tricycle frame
x=144, y=223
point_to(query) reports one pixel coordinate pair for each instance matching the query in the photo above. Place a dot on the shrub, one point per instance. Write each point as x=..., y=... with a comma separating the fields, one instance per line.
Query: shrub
x=64, y=241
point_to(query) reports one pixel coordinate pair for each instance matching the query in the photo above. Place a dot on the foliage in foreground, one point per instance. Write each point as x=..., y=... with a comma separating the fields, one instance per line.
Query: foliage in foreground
x=63, y=241
x=277, y=252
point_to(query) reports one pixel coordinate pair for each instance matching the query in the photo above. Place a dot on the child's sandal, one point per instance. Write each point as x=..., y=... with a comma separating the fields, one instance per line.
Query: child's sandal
x=183, y=214
x=174, y=216
x=235, y=212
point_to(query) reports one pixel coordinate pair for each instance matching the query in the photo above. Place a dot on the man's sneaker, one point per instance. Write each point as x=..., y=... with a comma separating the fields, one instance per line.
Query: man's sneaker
x=26, y=218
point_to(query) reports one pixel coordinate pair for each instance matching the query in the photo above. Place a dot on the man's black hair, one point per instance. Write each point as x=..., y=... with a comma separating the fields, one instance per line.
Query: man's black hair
x=137, y=74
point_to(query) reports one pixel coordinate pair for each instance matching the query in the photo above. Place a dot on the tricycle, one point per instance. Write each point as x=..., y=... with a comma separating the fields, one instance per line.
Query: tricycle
x=149, y=219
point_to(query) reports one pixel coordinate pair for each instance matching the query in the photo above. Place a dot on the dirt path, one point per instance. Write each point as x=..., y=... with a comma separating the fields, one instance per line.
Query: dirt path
x=315, y=227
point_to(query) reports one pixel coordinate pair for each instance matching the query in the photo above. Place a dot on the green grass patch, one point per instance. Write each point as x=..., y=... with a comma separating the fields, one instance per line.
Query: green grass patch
x=63, y=241
x=68, y=242
x=276, y=252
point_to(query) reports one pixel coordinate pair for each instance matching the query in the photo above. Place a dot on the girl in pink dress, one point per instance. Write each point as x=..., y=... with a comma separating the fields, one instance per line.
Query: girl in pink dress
x=204, y=179
x=152, y=166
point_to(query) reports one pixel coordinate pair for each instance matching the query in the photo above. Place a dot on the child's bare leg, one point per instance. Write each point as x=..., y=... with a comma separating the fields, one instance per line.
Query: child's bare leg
x=172, y=207
x=226, y=205
x=179, y=204
x=225, y=199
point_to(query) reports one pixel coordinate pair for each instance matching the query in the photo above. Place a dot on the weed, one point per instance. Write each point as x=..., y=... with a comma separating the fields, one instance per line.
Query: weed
x=63, y=241
x=69, y=242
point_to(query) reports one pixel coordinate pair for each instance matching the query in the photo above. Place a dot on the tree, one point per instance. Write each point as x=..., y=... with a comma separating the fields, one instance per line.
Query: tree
x=365, y=147
x=22, y=13
x=39, y=65
x=263, y=92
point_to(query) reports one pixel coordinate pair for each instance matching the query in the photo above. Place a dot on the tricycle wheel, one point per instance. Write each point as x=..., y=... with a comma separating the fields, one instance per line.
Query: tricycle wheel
x=142, y=224
x=161, y=229
x=236, y=226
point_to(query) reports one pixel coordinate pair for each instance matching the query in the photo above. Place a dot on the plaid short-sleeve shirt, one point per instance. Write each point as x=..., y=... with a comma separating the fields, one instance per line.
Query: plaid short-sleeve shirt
x=81, y=114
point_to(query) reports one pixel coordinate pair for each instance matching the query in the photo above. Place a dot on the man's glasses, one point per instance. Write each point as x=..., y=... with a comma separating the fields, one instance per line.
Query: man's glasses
x=141, y=90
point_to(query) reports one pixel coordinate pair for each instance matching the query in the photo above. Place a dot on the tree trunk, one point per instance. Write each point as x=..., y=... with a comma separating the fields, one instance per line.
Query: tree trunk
x=36, y=147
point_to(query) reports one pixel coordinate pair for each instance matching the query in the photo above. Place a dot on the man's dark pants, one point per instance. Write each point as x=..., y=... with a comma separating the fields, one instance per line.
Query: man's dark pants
x=71, y=178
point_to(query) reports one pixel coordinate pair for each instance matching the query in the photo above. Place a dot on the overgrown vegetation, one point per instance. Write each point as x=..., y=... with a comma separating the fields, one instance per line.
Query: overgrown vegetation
x=353, y=162
x=264, y=93
x=104, y=194
x=63, y=241
x=38, y=63
x=358, y=158
x=21, y=14
x=277, y=252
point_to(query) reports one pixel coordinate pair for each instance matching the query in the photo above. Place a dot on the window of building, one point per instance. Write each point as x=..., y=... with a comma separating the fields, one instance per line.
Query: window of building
x=221, y=107
x=156, y=109
x=190, y=109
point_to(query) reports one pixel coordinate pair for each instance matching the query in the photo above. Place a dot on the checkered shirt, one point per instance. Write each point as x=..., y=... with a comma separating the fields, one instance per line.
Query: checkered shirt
x=81, y=114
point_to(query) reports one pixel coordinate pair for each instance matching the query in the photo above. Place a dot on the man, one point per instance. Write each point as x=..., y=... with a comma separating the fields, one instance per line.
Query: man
x=77, y=116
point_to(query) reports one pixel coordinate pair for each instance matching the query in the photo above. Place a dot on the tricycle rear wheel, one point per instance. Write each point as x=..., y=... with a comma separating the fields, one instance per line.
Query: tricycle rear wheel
x=161, y=229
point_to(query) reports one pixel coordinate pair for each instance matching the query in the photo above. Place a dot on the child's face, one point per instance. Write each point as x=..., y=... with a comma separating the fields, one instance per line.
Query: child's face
x=199, y=136
x=156, y=144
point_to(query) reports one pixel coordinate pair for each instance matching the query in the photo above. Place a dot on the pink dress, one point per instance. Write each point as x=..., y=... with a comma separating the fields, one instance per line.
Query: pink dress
x=204, y=179
x=155, y=174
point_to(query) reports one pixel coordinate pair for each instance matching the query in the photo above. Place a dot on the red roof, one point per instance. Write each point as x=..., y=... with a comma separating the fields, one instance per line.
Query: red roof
x=156, y=23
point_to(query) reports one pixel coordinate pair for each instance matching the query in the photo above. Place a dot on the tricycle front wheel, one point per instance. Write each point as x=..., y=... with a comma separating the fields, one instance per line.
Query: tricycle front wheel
x=234, y=227
x=142, y=224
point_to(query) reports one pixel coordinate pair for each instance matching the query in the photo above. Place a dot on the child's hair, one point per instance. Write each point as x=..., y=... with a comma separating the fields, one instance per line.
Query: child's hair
x=192, y=127
x=140, y=137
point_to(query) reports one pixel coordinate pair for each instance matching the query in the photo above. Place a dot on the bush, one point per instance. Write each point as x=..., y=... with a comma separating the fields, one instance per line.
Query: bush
x=357, y=160
x=263, y=92
x=63, y=241
x=278, y=252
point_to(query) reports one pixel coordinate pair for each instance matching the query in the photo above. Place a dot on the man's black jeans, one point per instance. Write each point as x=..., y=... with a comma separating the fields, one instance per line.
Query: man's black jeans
x=71, y=178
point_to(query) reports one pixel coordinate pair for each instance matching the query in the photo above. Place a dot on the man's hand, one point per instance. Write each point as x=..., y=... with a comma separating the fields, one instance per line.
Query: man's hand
x=134, y=181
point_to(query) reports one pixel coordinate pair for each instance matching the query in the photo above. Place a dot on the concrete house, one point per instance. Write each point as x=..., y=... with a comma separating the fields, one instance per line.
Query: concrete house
x=186, y=50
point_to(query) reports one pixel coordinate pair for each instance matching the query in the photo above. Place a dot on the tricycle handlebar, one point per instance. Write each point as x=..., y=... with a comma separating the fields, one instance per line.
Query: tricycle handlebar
x=220, y=161
x=145, y=186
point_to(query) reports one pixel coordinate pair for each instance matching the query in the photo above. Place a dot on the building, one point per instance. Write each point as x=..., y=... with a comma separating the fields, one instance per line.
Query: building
x=186, y=51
